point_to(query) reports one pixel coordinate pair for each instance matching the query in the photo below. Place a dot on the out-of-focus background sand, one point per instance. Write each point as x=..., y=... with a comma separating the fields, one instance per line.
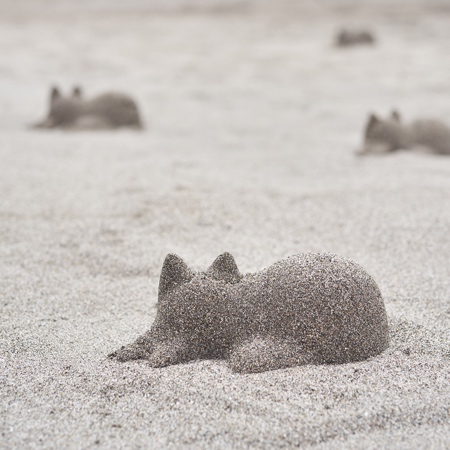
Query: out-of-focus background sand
x=253, y=118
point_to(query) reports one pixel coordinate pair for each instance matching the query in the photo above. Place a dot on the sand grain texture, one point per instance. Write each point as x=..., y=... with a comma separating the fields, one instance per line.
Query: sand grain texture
x=253, y=121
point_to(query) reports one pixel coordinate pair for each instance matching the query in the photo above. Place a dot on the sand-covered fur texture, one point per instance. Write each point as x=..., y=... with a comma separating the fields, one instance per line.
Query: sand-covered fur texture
x=307, y=309
x=254, y=120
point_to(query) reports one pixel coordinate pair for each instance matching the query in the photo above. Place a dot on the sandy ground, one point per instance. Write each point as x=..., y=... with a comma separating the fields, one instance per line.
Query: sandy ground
x=252, y=123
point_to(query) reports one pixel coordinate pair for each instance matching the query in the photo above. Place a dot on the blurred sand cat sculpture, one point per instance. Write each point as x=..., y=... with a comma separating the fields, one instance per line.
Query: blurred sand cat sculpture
x=386, y=136
x=307, y=309
x=106, y=111
x=348, y=38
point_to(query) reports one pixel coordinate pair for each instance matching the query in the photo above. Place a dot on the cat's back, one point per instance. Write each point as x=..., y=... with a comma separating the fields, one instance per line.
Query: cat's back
x=112, y=98
x=432, y=134
x=317, y=269
x=330, y=304
x=119, y=108
x=312, y=280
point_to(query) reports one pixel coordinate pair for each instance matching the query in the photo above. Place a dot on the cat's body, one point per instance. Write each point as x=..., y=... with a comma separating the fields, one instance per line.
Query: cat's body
x=389, y=135
x=106, y=111
x=349, y=38
x=307, y=309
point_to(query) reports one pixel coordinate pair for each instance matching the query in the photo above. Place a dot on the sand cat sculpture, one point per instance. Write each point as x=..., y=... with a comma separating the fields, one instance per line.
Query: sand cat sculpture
x=106, y=111
x=348, y=38
x=386, y=136
x=307, y=309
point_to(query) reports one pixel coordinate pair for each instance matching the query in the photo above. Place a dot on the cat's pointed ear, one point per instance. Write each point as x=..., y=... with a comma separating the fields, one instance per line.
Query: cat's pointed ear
x=395, y=115
x=77, y=92
x=371, y=122
x=174, y=273
x=224, y=268
x=54, y=94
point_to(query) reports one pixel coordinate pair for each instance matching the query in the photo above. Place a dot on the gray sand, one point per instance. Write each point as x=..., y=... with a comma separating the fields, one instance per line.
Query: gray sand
x=253, y=123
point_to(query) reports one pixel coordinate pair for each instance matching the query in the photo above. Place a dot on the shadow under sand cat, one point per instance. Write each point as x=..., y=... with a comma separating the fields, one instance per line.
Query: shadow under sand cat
x=106, y=111
x=307, y=309
x=389, y=135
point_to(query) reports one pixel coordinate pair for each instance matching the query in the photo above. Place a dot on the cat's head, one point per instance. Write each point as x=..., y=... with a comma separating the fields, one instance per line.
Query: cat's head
x=384, y=135
x=175, y=273
x=63, y=110
x=185, y=296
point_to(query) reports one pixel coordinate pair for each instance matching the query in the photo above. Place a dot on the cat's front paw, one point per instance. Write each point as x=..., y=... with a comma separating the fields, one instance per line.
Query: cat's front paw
x=129, y=353
x=169, y=353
